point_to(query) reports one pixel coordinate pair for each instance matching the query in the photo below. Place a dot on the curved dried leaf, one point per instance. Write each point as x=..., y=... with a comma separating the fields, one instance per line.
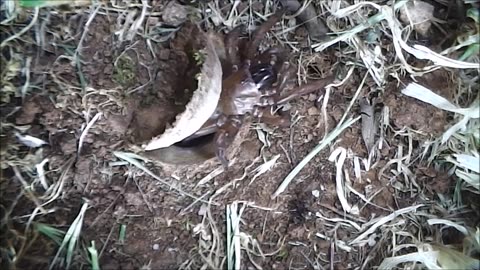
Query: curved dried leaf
x=201, y=106
x=369, y=127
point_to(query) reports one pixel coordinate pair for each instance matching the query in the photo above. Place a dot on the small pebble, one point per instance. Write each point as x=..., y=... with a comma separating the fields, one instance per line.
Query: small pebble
x=313, y=111
x=108, y=70
x=203, y=210
x=117, y=188
x=174, y=14
x=312, y=97
x=316, y=193
x=152, y=21
x=372, y=241
x=309, y=137
x=164, y=55
x=156, y=247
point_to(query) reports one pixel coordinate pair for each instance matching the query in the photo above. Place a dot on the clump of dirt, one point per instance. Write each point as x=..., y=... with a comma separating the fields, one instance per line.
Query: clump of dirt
x=409, y=112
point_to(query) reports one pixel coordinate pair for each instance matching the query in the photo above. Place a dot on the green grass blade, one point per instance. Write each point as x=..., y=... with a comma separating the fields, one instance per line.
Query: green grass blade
x=94, y=256
x=51, y=3
x=71, y=238
x=51, y=232
x=121, y=237
x=33, y=3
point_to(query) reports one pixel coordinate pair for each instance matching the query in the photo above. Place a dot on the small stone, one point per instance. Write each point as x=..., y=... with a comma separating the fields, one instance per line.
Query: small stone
x=316, y=193
x=133, y=199
x=174, y=14
x=68, y=145
x=203, y=210
x=108, y=70
x=371, y=240
x=156, y=247
x=117, y=188
x=152, y=21
x=313, y=111
x=286, y=107
x=164, y=54
x=119, y=212
x=420, y=14
x=312, y=97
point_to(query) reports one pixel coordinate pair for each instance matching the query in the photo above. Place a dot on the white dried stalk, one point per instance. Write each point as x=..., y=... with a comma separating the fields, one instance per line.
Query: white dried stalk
x=384, y=220
x=426, y=95
x=338, y=156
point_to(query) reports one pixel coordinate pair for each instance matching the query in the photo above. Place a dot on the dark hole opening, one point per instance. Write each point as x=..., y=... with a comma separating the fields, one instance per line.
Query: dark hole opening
x=198, y=141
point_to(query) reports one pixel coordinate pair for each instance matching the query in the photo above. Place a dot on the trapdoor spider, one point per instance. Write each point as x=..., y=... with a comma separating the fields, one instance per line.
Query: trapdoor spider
x=253, y=84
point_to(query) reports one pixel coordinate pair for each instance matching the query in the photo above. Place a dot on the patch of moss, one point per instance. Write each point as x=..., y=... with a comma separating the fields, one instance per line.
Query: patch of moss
x=124, y=72
x=200, y=57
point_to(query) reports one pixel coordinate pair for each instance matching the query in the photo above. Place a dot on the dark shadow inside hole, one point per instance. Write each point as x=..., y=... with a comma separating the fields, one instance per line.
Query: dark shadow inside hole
x=199, y=141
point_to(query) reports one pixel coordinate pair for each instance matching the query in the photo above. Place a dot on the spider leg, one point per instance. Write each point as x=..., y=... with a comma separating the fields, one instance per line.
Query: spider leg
x=284, y=76
x=271, y=93
x=232, y=49
x=208, y=128
x=305, y=89
x=260, y=33
x=264, y=114
x=271, y=56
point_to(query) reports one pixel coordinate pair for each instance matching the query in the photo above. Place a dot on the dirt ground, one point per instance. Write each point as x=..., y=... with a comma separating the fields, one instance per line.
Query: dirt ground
x=143, y=92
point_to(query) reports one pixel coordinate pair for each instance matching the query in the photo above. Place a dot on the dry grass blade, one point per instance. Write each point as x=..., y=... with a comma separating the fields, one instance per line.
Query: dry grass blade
x=449, y=223
x=234, y=252
x=428, y=96
x=30, y=141
x=326, y=141
x=387, y=13
x=210, y=176
x=357, y=29
x=433, y=257
x=264, y=168
x=41, y=173
x=130, y=159
x=85, y=131
x=369, y=126
x=467, y=160
x=384, y=220
x=338, y=156
x=238, y=241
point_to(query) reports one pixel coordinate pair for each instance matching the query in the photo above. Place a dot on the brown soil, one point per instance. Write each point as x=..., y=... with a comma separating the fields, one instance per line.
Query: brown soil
x=159, y=230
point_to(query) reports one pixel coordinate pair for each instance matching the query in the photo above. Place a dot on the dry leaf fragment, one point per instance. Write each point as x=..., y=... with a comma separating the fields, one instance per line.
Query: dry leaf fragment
x=201, y=106
x=368, y=123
